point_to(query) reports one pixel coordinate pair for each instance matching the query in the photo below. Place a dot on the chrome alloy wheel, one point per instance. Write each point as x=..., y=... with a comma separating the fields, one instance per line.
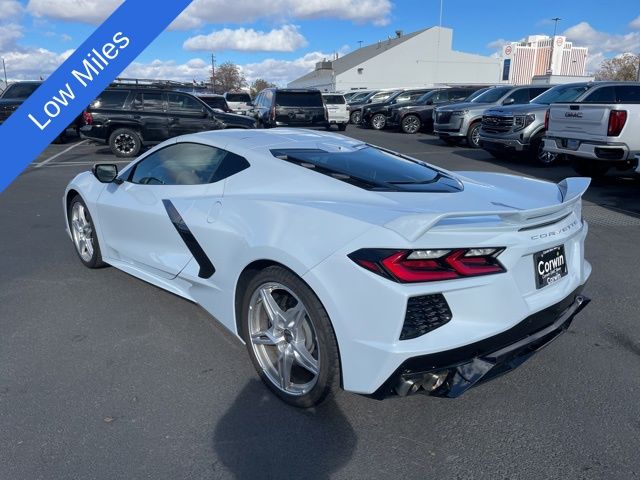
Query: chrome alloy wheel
x=475, y=137
x=378, y=121
x=411, y=124
x=124, y=143
x=356, y=117
x=82, y=231
x=283, y=338
x=545, y=157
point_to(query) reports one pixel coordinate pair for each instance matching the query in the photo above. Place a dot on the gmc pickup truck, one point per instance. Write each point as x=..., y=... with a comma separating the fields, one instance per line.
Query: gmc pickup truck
x=599, y=130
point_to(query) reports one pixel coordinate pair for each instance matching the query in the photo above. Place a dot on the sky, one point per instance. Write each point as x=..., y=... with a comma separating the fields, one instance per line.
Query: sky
x=280, y=40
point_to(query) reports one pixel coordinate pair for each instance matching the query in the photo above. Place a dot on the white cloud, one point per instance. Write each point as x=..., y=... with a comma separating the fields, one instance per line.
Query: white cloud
x=10, y=9
x=202, y=12
x=31, y=64
x=194, y=69
x=9, y=34
x=284, y=39
x=85, y=11
x=635, y=24
x=601, y=44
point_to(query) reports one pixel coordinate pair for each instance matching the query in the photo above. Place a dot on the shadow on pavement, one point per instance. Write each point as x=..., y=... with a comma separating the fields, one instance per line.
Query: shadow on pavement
x=262, y=437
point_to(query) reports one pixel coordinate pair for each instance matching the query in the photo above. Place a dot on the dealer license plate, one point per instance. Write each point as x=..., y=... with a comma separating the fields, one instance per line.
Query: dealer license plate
x=550, y=266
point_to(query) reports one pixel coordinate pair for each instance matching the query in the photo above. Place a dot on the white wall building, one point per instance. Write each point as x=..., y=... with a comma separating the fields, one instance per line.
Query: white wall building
x=419, y=59
x=542, y=55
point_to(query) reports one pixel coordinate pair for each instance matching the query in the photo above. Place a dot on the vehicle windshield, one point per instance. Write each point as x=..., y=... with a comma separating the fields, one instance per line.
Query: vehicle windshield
x=367, y=167
x=425, y=98
x=20, y=91
x=238, y=97
x=215, y=102
x=356, y=97
x=476, y=94
x=560, y=93
x=492, y=95
x=384, y=96
x=334, y=99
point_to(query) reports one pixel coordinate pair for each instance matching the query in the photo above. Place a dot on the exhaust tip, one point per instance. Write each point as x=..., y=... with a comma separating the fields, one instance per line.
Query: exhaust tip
x=428, y=382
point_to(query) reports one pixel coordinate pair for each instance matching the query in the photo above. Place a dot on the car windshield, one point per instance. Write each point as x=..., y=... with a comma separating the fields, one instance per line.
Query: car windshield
x=560, y=93
x=475, y=94
x=367, y=167
x=384, y=96
x=360, y=96
x=492, y=95
x=20, y=91
x=238, y=97
x=425, y=98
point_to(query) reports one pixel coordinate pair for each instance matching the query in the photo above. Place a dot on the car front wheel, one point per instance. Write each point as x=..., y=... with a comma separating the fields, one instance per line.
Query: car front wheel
x=355, y=117
x=539, y=154
x=473, y=135
x=290, y=338
x=83, y=234
x=378, y=121
x=589, y=168
x=411, y=124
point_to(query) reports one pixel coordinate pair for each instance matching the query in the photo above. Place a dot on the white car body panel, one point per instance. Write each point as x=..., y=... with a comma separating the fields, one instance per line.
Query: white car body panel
x=337, y=112
x=310, y=222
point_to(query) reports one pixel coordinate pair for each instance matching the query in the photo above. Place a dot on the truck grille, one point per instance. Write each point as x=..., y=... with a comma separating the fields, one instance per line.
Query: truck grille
x=496, y=123
x=443, y=117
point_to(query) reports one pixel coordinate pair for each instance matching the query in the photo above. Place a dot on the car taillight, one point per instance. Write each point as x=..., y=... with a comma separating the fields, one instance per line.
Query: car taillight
x=411, y=266
x=617, y=119
x=546, y=120
x=88, y=118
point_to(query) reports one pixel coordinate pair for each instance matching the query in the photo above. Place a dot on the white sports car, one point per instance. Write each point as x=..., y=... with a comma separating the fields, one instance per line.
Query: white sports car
x=339, y=263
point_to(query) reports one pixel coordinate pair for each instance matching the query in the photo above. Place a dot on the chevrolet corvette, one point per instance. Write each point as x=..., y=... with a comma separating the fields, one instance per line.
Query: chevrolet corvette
x=341, y=264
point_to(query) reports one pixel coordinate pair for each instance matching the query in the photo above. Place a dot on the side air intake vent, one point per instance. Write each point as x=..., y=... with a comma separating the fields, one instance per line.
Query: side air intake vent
x=424, y=314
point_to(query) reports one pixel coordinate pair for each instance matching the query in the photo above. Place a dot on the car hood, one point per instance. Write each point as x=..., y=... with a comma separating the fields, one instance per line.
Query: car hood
x=518, y=109
x=466, y=106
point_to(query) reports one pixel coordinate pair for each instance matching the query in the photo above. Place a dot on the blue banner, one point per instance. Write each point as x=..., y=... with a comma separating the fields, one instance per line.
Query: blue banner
x=80, y=79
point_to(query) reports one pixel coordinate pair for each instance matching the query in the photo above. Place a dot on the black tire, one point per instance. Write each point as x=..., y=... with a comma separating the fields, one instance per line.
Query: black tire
x=378, y=121
x=355, y=117
x=125, y=143
x=95, y=259
x=342, y=127
x=328, y=377
x=411, y=124
x=589, y=168
x=537, y=153
x=473, y=139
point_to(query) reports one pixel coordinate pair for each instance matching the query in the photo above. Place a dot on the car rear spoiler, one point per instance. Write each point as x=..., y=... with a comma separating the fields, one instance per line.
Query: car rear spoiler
x=570, y=191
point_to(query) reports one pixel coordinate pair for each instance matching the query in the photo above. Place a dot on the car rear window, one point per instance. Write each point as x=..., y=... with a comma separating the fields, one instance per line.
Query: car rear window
x=238, y=97
x=628, y=93
x=111, y=99
x=215, y=102
x=371, y=168
x=601, y=95
x=334, y=99
x=299, y=99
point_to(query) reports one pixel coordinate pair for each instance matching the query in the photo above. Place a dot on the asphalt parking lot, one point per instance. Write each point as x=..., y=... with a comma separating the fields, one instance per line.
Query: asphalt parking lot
x=105, y=376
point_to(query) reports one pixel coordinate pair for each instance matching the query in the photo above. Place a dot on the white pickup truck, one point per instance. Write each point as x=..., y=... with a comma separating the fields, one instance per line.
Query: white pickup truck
x=598, y=131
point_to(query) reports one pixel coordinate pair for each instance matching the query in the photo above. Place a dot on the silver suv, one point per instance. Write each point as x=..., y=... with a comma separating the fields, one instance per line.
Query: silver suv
x=462, y=120
x=520, y=128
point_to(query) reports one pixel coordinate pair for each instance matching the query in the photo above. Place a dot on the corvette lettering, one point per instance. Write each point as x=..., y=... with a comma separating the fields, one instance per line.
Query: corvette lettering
x=553, y=233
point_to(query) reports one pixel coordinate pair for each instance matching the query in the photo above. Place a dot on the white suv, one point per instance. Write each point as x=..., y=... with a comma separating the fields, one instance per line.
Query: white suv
x=239, y=102
x=337, y=112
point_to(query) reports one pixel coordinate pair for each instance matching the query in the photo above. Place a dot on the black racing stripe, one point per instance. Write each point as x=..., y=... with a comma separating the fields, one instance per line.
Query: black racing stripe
x=206, y=267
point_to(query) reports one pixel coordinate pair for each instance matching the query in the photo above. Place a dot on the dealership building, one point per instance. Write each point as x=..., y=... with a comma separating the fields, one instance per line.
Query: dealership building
x=542, y=55
x=419, y=59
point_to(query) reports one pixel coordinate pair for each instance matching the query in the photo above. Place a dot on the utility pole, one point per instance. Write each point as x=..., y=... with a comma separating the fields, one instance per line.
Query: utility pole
x=553, y=42
x=360, y=43
x=213, y=73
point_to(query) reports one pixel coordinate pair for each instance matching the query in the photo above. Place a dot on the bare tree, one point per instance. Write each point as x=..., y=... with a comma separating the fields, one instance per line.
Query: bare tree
x=228, y=77
x=258, y=85
x=621, y=68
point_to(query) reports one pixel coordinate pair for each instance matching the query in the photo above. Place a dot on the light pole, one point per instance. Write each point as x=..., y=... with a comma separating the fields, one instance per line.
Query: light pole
x=4, y=67
x=555, y=26
x=553, y=42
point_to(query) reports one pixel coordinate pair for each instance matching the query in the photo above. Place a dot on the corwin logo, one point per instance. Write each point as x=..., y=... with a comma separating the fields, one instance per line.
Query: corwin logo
x=573, y=114
x=553, y=233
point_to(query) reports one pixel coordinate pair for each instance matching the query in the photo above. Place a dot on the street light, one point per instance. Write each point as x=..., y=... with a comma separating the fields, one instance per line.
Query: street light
x=553, y=42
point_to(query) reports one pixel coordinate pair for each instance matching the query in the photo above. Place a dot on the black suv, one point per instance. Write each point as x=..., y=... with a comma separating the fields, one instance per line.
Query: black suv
x=375, y=115
x=215, y=101
x=411, y=118
x=15, y=95
x=128, y=118
x=290, y=107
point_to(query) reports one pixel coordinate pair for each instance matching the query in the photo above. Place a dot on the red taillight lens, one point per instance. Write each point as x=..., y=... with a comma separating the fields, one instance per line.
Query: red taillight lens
x=411, y=266
x=617, y=119
x=546, y=120
x=88, y=118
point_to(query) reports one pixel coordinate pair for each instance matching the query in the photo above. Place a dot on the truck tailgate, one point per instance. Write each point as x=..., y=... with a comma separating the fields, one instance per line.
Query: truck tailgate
x=581, y=121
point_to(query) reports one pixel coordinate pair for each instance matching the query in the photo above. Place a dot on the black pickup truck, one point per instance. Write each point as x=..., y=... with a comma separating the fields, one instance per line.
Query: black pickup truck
x=128, y=118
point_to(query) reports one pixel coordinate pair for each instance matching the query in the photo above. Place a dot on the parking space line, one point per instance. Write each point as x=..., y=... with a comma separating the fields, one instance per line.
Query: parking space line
x=53, y=157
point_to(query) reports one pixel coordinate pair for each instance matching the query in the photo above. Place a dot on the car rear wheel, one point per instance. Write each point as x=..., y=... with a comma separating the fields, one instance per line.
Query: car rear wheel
x=83, y=233
x=355, y=117
x=378, y=121
x=342, y=127
x=473, y=135
x=589, y=168
x=411, y=124
x=125, y=143
x=290, y=338
x=539, y=154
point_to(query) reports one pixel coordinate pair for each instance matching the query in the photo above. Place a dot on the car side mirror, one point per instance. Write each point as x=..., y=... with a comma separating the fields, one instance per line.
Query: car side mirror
x=509, y=101
x=105, y=172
